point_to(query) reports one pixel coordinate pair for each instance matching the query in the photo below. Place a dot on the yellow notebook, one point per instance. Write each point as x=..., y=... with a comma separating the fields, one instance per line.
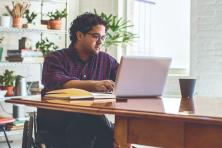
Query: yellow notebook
x=70, y=93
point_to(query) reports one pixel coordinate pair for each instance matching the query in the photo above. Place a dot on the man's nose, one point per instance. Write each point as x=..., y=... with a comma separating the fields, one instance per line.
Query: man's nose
x=99, y=41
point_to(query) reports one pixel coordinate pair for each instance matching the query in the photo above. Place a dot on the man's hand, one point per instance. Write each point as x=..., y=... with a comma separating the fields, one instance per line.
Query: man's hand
x=104, y=85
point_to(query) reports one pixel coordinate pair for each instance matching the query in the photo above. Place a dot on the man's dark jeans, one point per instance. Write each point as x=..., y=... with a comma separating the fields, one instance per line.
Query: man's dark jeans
x=74, y=130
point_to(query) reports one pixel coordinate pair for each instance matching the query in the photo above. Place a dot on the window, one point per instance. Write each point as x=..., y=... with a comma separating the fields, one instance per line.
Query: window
x=163, y=28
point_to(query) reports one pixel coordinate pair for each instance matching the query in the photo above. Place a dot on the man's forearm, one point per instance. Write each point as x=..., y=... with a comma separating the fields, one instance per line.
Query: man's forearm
x=88, y=85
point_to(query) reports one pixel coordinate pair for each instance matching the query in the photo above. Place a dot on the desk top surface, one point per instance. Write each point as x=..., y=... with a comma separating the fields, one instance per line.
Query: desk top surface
x=197, y=109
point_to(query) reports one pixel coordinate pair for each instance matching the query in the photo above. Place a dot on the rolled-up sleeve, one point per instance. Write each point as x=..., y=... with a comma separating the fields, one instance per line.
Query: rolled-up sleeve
x=55, y=74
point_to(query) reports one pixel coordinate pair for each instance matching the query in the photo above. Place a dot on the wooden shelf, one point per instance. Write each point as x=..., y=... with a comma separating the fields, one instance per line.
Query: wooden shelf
x=27, y=30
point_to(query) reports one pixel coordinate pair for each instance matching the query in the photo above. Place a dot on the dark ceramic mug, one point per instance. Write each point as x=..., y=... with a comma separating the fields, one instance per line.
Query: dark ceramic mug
x=187, y=87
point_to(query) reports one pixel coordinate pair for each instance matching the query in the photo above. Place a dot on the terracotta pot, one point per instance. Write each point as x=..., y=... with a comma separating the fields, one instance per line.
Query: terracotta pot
x=10, y=90
x=17, y=22
x=55, y=24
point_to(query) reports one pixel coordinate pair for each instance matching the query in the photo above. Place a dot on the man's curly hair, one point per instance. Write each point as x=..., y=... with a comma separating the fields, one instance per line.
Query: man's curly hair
x=84, y=24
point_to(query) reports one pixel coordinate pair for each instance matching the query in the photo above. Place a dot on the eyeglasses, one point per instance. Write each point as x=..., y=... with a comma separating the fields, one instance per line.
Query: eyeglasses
x=97, y=36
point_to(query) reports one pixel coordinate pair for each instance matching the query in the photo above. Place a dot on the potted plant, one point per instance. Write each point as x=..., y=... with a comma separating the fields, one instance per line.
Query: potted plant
x=117, y=33
x=17, y=12
x=55, y=19
x=45, y=46
x=8, y=79
x=5, y=20
x=30, y=16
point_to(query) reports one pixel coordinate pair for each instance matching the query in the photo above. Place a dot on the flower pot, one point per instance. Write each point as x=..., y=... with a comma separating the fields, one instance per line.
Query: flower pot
x=55, y=24
x=10, y=90
x=17, y=22
x=6, y=21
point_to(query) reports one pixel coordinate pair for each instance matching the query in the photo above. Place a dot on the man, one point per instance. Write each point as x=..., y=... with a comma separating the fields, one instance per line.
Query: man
x=83, y=66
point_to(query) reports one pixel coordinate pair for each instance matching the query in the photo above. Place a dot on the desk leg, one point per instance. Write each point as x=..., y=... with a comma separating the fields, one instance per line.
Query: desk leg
x=121, y=132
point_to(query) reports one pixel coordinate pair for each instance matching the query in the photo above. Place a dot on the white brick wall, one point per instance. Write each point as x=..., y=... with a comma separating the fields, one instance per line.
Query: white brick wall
x=206, y=49
x=206, y=46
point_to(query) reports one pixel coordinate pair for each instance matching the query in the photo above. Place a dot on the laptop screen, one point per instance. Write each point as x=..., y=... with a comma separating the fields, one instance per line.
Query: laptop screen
x=141, y=76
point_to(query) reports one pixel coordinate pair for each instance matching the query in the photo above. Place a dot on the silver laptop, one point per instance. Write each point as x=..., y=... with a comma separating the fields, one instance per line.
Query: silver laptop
x=140, y=77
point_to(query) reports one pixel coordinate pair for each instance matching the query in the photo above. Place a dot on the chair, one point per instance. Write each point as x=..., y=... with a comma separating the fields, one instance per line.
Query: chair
x=30, y=137
x=38, y=138
x=3, y=122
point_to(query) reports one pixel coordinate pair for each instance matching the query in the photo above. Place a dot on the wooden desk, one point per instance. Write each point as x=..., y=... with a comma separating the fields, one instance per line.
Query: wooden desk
x=167, y=122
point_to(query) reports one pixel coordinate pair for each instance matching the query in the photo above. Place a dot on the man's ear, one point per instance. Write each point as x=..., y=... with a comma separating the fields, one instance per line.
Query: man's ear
x=79, y=35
